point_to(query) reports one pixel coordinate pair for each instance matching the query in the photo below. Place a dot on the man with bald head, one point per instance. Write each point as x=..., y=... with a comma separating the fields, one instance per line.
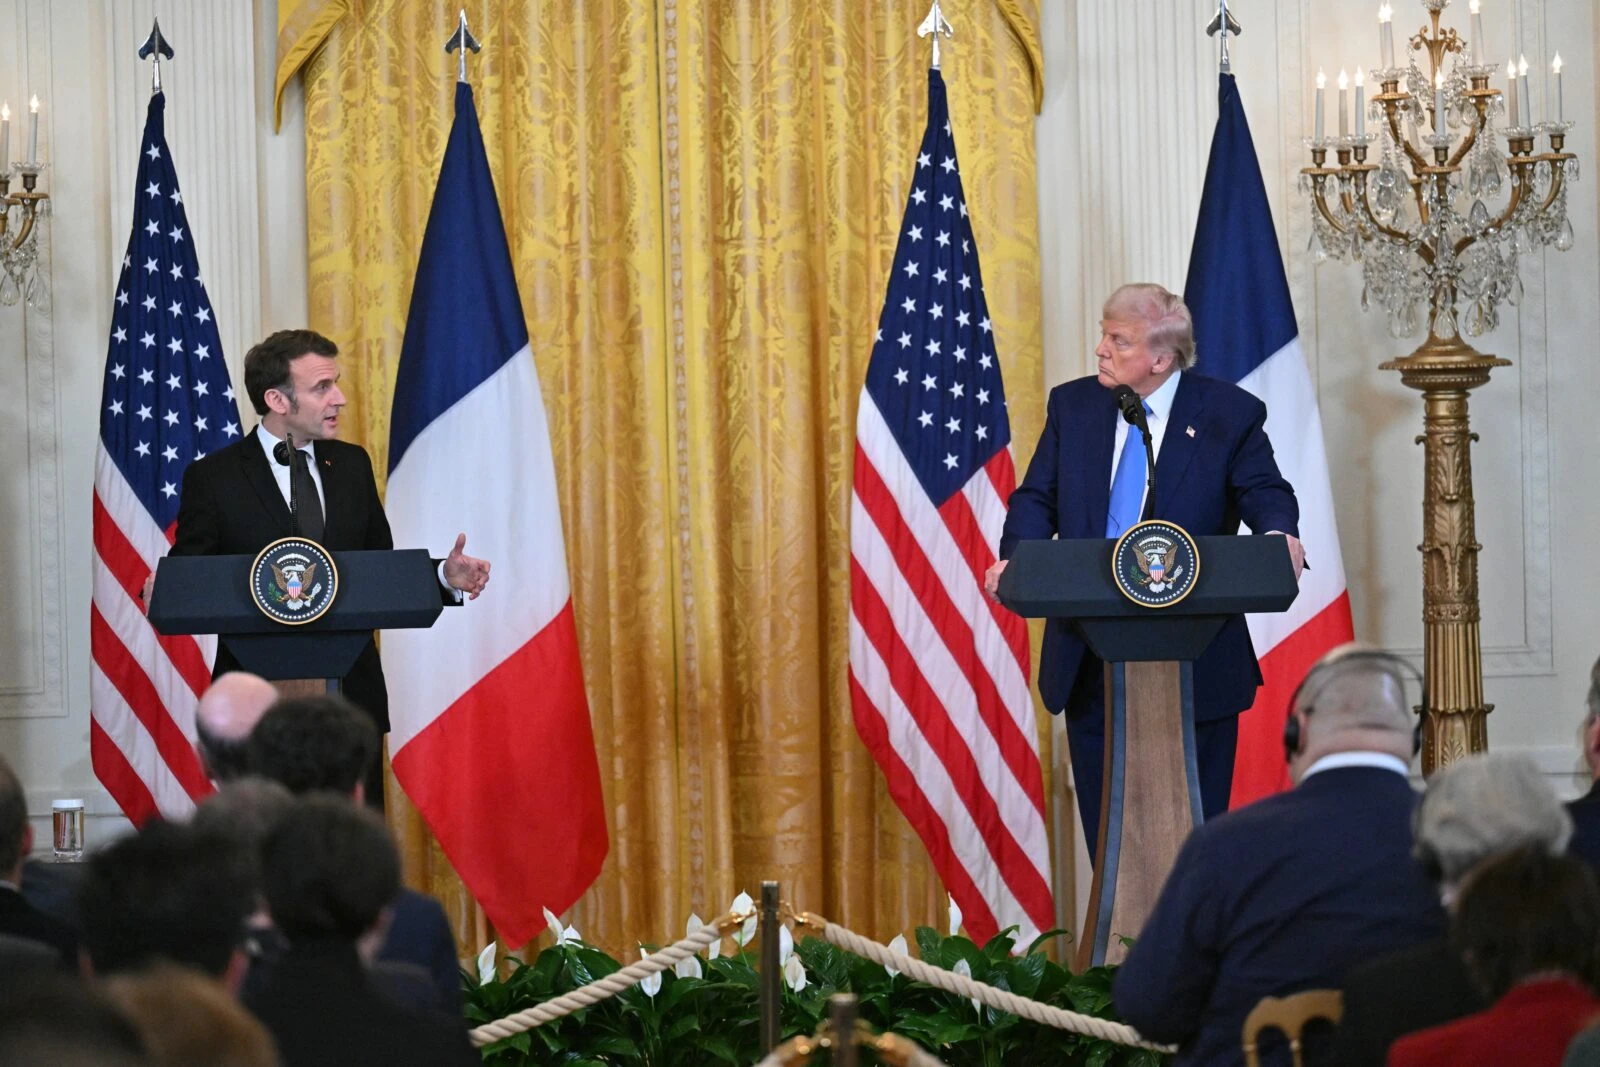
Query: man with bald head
x=227, y=713
x=1288, y=893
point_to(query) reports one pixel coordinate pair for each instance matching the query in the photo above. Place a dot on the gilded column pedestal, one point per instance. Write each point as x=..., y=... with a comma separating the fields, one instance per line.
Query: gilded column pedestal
x=1445, y=372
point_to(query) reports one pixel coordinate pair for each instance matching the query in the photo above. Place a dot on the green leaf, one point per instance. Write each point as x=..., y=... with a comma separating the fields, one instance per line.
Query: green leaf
x=1039, y=942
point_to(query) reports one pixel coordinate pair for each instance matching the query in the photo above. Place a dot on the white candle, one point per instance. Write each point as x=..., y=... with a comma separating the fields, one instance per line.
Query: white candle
x=1477, y=33
x=1344, y=104
x=5, y=137
x=33, y=130
x=1555, y=68
x=1438, y=102
x=1524, y=92
x=1511, y=93
x=1386, y=35
x=1322, y=81
x=1361, y=103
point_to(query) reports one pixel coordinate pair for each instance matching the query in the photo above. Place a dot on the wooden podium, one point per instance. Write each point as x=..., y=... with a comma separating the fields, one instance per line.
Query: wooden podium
x=378, y=591
x=1151, y=797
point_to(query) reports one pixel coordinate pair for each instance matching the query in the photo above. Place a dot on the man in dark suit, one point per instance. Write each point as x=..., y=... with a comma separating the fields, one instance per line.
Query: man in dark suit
x=1214, y=468
x=1286, y=894
x=18, y=918
x=1586, y=809
x=236, y=501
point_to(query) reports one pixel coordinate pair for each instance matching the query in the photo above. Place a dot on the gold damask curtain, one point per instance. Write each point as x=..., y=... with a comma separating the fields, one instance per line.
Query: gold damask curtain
x=702, y=202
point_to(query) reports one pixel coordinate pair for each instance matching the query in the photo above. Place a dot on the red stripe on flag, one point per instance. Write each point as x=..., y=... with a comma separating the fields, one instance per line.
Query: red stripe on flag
x=119, y=777
x=518, y=742
x=963, y=526
x=924, y=582
x=130, y=570
x=924, y=706
x=913, y=803
x=130, y=679
x=1259, y=768
x=1003, y=473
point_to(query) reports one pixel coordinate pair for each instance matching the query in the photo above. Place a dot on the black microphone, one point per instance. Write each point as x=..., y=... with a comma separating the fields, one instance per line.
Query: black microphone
x=284, y=453
x=1132, y=406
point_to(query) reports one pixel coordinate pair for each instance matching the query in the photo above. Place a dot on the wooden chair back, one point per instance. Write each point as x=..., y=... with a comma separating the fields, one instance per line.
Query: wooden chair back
x=1289, y=1014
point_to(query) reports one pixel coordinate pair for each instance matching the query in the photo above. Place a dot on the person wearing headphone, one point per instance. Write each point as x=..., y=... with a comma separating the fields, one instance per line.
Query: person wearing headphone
x=1288, y=893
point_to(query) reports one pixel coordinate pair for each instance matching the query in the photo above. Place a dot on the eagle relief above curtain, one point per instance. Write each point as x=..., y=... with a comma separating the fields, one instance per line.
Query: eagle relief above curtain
x=702, y=202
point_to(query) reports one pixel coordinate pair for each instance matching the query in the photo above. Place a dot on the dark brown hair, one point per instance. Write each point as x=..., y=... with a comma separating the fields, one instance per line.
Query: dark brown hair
x=1527, y=912
x=266, y=366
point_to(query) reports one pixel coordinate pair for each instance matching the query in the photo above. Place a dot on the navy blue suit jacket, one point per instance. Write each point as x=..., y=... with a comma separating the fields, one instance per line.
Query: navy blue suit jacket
x=419, y=933
x=1280, y=896
x=1206, y=482
x=1585, y=843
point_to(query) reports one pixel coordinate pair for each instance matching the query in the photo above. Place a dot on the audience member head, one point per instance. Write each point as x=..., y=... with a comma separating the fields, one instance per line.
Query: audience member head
x=189, y=1020
x=314, y=744
x=1591, y=722
x=16, y=835
x=1481, y=807
x=331, y=870
x=65, y=1022
x=1352, y=700
x=227, y=712
x=1528, y=913
x=168, y=892
x=243, y=811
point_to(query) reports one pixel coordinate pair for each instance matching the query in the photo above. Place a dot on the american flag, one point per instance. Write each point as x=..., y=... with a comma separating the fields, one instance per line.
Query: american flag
x=938, y=673
x=166, y=401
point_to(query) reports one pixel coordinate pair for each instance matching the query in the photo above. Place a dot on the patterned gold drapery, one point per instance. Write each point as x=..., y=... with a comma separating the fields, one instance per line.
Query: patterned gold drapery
x=702, y=202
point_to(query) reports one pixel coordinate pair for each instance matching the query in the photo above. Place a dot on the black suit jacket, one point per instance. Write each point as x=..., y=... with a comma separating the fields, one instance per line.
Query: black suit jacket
x=419, y=934
x=1585, y=843
x=21, y=919
x=231, y=505
x=1280, y=896
x=1399, y=994
x=321, y=1007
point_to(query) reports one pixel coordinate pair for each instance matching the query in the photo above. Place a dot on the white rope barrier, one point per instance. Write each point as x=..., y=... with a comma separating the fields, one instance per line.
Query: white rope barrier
x=999, y=999
x=601, y=988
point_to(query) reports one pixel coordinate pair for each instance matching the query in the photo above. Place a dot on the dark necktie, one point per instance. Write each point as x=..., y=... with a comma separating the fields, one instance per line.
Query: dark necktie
x=309, y=503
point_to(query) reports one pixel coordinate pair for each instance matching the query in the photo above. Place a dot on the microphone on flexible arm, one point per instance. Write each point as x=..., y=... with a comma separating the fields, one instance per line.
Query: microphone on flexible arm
x=1132, y=406
x=284, y=453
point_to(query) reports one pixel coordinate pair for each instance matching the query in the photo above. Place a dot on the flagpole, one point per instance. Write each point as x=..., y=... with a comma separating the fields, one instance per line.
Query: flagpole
x=155, y=46
x=935, y=26
x=1224, y=23
x=460, y=42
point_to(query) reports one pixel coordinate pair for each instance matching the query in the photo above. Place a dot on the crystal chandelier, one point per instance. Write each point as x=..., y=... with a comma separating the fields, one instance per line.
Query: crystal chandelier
x=1440, y=221
x=23, y=218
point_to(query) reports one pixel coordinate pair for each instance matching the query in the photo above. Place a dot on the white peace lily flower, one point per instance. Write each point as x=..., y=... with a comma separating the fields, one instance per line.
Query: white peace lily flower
x=897, y=945
x=743, y=903
x=570, y=936
x=964, y=969
x=785, y=945
x=955, y=915
x=552, y=923
x=716, y=949
x=794, y=972
x=652, y=984
x=689, y=966
x=486, y=964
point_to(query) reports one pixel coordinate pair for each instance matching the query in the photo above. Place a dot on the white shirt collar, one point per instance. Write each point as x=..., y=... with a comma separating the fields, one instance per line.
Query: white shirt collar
x=1338, y=760
x=1160, y=401
x=269, y=442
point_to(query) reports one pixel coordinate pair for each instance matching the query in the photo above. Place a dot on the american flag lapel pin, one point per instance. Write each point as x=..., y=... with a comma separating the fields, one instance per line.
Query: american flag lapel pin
x=1189, y=430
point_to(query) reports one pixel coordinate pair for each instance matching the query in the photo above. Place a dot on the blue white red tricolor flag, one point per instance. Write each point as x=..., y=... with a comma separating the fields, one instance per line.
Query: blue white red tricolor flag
x=490, y=734
x=166, y=401
x=939, y=673
x=1245, y=332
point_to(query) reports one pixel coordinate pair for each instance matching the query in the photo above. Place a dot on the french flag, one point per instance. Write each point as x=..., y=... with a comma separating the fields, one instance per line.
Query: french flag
x=490, y=733
x=1245, y=332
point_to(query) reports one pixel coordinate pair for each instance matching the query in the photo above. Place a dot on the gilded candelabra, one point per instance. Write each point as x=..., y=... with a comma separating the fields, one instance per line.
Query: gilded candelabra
x=1402, y=217
x=22, y=215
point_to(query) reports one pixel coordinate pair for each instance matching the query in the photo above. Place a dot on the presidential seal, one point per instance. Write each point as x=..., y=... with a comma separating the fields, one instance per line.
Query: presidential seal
x=1155, y=563
x=294, y=581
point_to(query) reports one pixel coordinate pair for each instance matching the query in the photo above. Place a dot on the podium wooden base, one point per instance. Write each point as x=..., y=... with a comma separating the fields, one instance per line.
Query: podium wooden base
x=306, y=687
x=1150, y=802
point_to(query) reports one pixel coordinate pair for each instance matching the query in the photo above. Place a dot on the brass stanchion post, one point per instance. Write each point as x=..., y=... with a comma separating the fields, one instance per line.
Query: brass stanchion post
x=771, y=976
x=842, y=1019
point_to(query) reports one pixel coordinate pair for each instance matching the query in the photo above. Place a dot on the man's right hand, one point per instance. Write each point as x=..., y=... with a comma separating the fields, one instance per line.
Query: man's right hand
x=144, y=594
x=991, y=579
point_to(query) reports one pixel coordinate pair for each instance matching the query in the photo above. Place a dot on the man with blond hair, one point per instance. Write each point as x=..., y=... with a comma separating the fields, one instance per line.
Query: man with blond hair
x=1214, y=469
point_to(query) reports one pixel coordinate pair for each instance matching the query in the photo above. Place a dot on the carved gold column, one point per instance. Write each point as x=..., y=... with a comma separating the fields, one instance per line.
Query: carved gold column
x=1457, y=718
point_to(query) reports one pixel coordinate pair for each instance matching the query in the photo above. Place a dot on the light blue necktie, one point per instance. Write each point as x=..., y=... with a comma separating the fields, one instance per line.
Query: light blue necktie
x=1127, y=487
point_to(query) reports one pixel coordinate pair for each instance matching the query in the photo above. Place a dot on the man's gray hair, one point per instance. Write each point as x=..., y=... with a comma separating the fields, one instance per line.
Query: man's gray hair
x=1484, y=806
x=1170, y=327
x=1593, y=699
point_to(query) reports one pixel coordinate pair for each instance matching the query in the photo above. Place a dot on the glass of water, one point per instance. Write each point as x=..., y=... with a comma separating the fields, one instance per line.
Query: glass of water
x=68, y=819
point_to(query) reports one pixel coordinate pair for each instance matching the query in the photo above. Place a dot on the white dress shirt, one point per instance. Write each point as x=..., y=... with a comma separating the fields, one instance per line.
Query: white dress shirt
x=1337, y=760
x=280, y=473
x=1160, y=403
